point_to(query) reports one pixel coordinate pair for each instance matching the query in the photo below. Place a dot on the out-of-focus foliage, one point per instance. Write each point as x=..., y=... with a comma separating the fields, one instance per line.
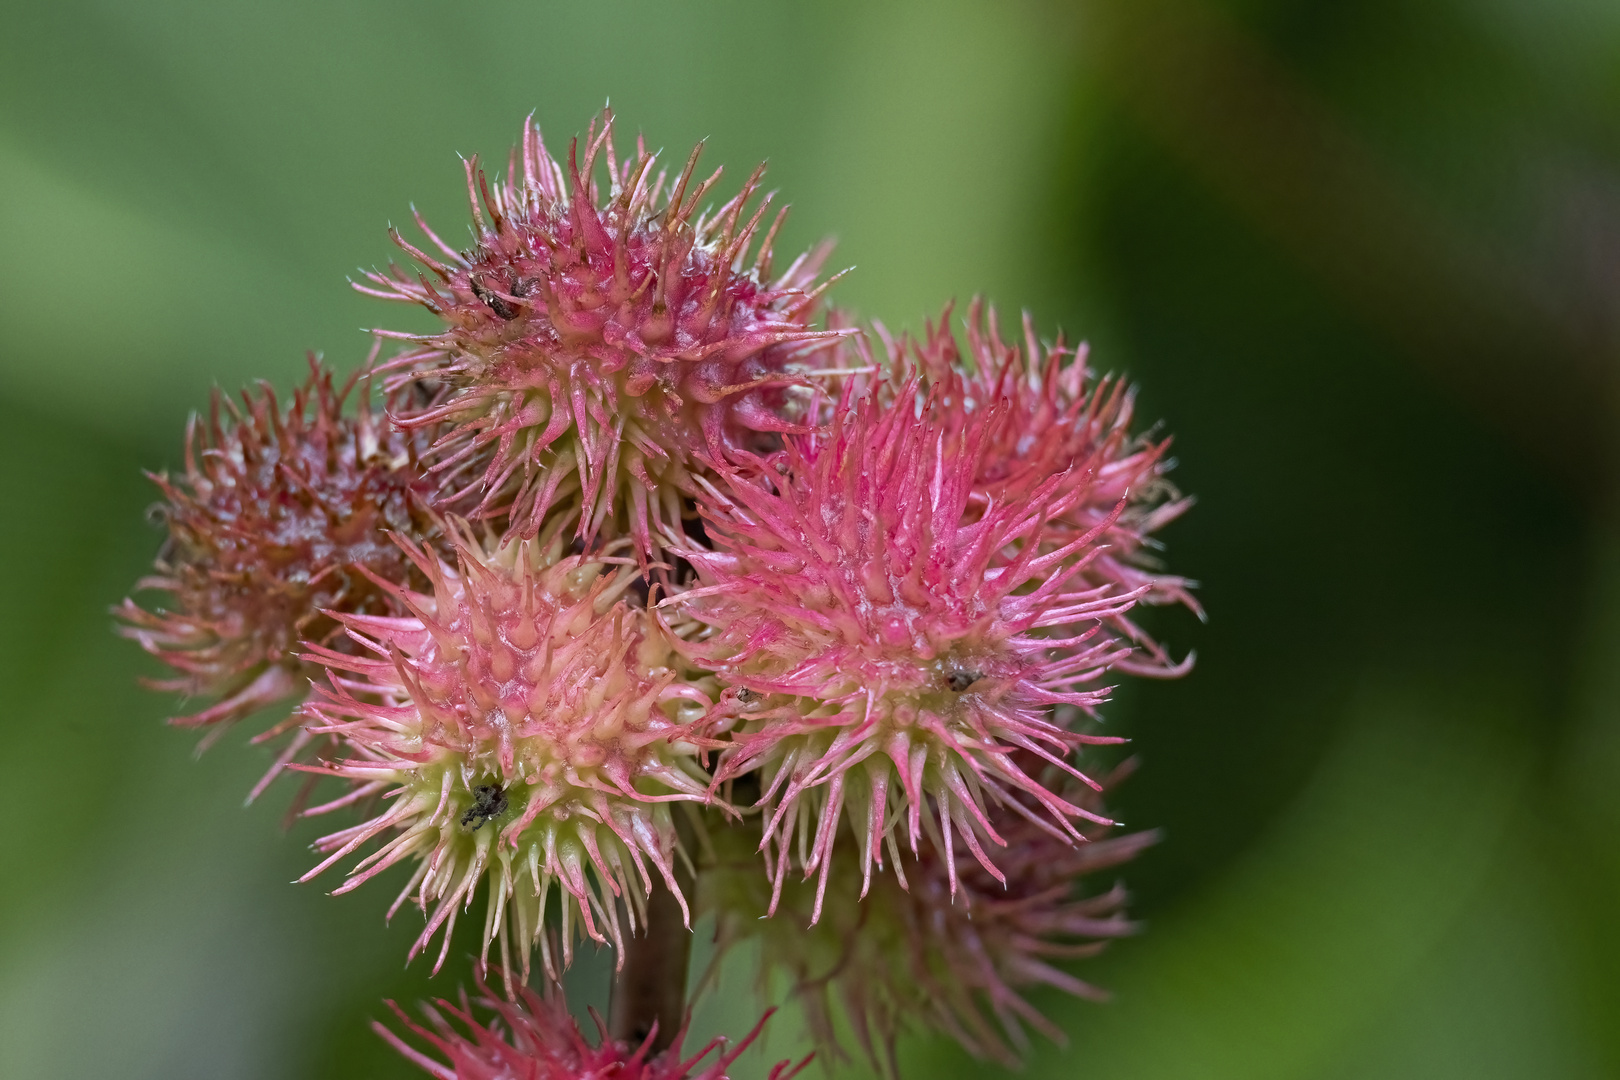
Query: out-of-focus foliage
x=1363, y=257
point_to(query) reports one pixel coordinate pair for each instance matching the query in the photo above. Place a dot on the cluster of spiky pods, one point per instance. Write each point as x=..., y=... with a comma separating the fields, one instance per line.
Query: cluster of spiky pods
x=657, y=580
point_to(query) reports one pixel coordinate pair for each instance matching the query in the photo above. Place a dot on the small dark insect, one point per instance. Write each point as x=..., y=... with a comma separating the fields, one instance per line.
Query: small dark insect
x=489, y=800
x=747, y=696
x=491, y=301
x=959, y=680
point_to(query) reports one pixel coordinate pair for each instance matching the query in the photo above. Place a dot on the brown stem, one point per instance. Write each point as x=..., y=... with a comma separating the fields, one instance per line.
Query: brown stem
x=651, y=986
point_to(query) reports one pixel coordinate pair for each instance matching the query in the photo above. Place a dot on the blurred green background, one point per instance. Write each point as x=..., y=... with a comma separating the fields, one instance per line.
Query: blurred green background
x=1363, y=258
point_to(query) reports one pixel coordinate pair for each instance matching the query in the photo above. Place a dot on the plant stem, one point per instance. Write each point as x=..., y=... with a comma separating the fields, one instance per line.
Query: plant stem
x=651, y=986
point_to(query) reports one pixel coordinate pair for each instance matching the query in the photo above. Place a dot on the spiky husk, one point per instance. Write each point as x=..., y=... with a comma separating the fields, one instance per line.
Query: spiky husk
x=528, y=694
x=273, y=528
x=1041, y=413
x=918, y=958
x=888, y=646
x=533, y=1037
x=598, y=343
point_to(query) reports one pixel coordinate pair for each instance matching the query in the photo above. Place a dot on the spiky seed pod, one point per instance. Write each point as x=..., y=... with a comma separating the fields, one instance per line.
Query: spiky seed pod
x=1041, y=414
x=526, y=694
x=921, y=959
x=534, y=1037
x=274, y=526
x=884, y=653
x=596, y=343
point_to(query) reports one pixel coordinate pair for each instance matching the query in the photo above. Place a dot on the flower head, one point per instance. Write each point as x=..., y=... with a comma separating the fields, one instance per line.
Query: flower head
x=520, y=724
x=1040, y=414
x=890, y=647
x=531, y=1037
x=598, y=341
x=920, y=957
x=273, y=529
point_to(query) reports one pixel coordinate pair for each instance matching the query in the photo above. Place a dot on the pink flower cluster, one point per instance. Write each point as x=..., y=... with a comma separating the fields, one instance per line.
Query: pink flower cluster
x=888, y=651
x=599, y=339
x=651, y=552
x=533, y=1037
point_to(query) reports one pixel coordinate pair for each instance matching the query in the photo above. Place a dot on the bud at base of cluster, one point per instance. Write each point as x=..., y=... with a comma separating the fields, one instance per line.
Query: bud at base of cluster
x=534, y=1037
x=933, y=954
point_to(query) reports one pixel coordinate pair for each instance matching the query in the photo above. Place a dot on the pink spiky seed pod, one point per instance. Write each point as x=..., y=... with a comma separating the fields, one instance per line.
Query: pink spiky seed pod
x=597, y=343
x=279, y=521
x=882, y=650
x=528, y=694
x=921, y=958
x=1041, y=413
x=534, y=1037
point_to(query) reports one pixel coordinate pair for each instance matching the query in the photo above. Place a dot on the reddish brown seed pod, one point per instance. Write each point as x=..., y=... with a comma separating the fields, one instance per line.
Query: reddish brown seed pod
x=274, y=524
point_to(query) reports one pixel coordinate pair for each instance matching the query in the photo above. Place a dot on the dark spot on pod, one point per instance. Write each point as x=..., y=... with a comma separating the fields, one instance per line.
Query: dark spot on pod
x=960, y=679
x=489, y=800
x=491, y=301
